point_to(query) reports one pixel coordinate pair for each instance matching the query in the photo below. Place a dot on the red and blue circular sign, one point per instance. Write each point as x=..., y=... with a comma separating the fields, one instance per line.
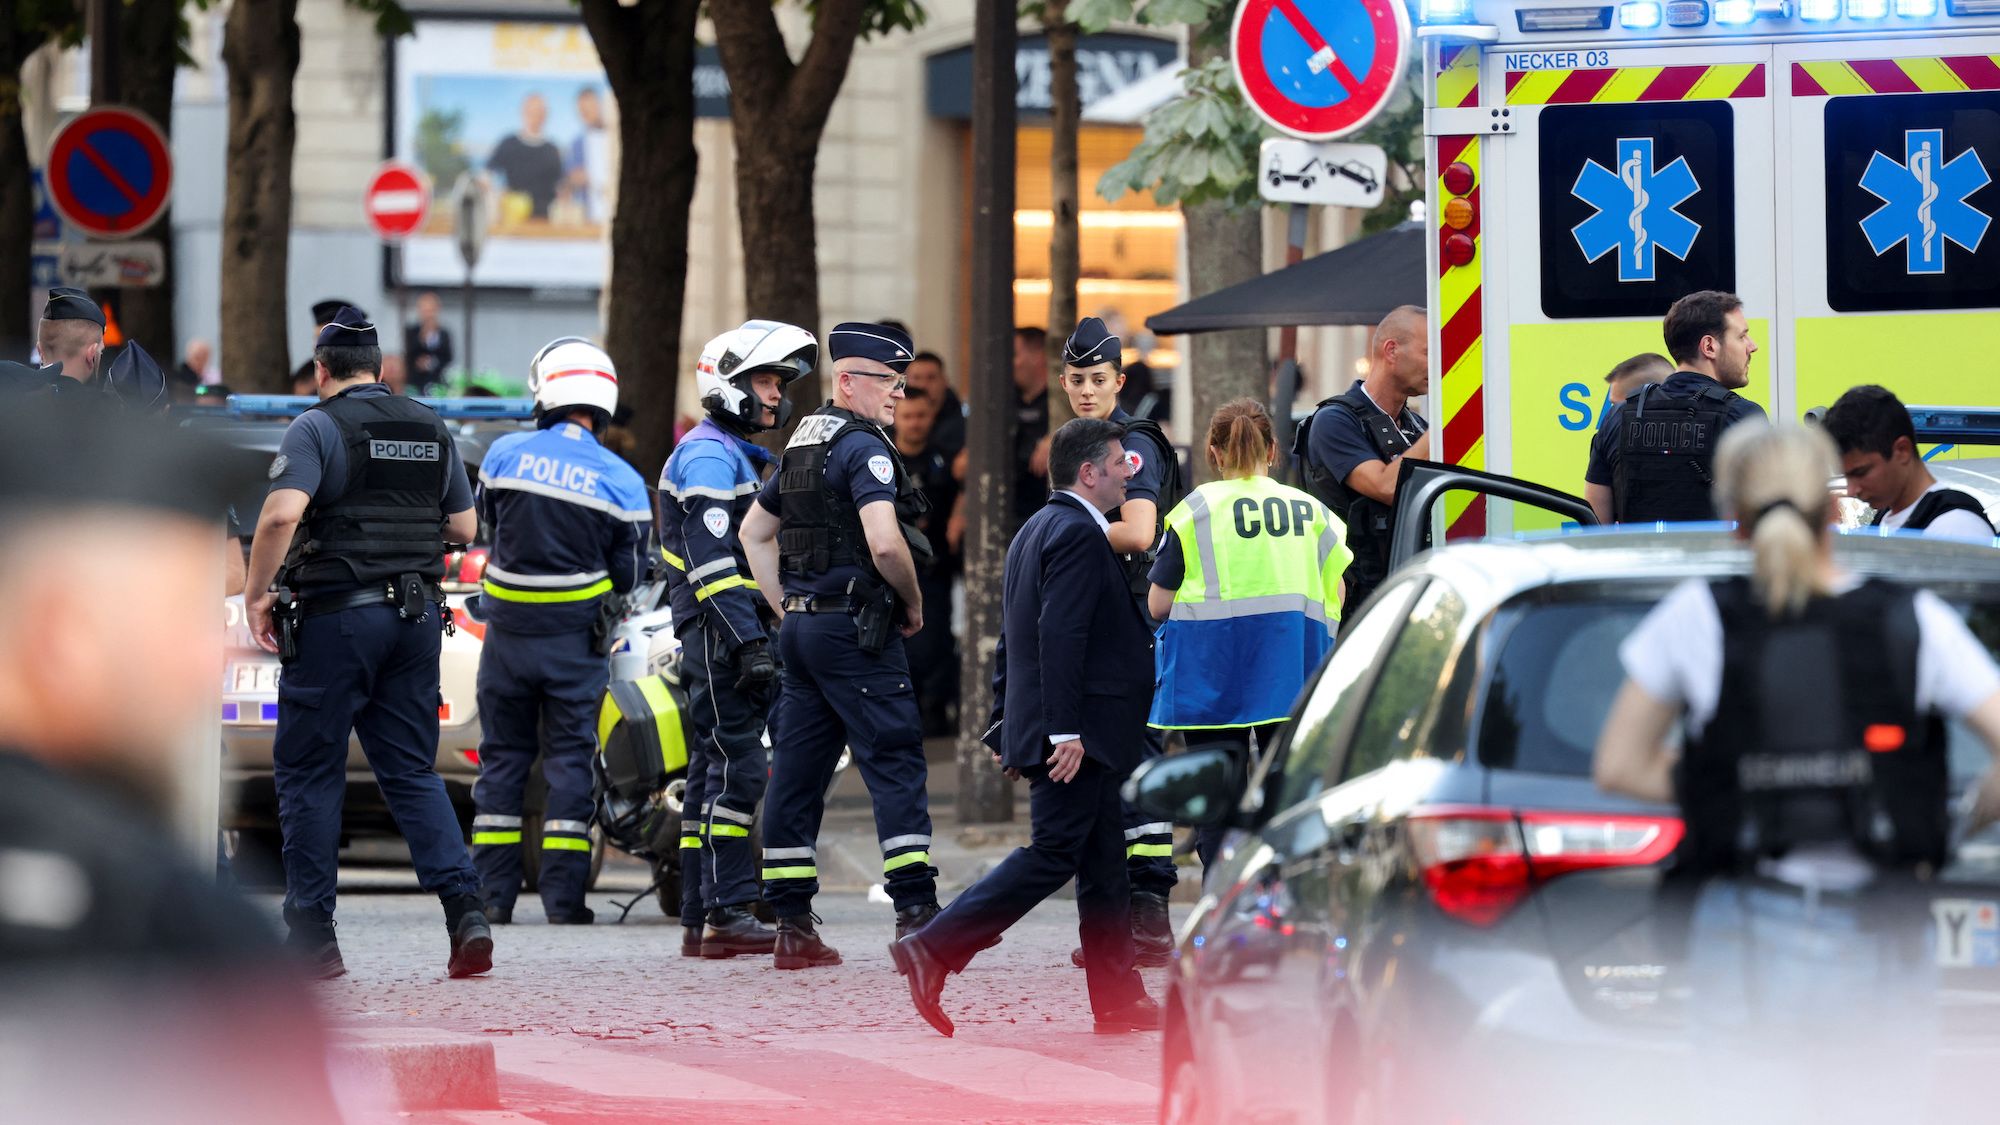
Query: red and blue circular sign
x=1319, y=69
x=110, y=172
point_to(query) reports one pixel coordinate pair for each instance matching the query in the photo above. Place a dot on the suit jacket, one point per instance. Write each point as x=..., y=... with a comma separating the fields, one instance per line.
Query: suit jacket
x=425, y=365
x=1076, y=655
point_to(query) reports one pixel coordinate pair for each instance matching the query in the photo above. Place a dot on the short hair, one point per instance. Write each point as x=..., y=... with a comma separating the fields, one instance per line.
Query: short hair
x=1033, y=336
x=1078, y=442
x=63, y=340
x=1705, y=313
x=348, y=361
x=1640, y=365
x=917, y=394
x=1402, y=323
x=931, y=357
x=1869, y=419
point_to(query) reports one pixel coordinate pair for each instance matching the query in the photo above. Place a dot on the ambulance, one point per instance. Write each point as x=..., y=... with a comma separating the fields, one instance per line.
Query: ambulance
x=1834, y=162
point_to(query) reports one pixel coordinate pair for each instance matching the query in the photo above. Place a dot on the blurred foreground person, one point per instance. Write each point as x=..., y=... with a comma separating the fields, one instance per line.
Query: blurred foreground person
x=131, y=987
x=1814, y=785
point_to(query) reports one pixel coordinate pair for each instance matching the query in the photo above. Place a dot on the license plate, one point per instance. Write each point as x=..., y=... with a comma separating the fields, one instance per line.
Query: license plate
x=253, y=677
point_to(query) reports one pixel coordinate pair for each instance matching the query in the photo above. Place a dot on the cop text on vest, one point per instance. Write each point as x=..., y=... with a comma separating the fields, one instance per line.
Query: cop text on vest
x=1280, y=517
x=403, y=450
x=562, y=474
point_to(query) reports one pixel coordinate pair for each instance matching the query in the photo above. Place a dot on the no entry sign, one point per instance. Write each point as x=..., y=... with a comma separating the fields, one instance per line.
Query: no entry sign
x=397, y=200
x=1319, y=69
x=110, y=173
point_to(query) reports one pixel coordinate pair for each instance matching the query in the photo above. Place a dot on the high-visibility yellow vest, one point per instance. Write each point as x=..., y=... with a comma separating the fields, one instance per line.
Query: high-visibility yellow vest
x=1257, y=608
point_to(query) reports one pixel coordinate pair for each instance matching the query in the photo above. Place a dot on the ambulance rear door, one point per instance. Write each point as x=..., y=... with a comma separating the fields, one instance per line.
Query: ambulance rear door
x=1889, y=152
x=1637, y=174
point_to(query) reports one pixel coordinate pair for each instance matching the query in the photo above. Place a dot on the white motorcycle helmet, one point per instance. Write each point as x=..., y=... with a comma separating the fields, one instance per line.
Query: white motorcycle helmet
x=722, y=375
x=571, y=373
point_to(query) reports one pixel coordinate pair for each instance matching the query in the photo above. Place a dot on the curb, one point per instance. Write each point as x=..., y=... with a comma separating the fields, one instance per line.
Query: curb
x=413, y=1069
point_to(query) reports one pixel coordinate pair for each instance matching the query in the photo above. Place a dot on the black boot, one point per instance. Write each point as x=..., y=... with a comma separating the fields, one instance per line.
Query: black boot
x=313, y=939
x=732, y=930
x=799, y=945
x=1152, y=930
x=910, y=919
x=500, y=915
x=471, y=937
x=691, y=939
x=581, y=916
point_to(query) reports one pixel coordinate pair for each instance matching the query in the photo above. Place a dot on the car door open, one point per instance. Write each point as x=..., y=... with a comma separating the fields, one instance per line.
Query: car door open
x=1421, y=486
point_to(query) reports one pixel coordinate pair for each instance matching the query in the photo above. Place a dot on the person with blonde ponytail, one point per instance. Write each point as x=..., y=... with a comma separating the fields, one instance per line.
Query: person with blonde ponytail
x=1809, y=699
x=1248, y=588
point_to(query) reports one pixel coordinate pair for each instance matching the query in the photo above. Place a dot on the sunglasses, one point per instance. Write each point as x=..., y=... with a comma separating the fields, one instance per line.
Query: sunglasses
x=901, y=381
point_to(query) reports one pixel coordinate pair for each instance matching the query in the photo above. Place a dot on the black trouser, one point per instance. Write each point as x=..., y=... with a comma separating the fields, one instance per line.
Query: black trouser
x=729, y=754
x=933, y=654
x=1236, y=740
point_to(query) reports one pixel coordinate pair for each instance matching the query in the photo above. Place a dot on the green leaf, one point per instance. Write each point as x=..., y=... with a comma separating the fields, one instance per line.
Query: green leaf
x=391, y=20
x=1093, y=16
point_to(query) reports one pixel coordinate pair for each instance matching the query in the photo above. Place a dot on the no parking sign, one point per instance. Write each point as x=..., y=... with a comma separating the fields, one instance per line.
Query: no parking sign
x=109, y=172
x=1319, y=69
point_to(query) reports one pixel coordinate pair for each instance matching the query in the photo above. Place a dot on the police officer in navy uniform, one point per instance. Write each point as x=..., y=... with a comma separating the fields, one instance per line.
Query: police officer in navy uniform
x=727, y=666
x=323, y=313
x=836, y=522
x=572, y=531
x=71, y=334
x=365, y=491
x=1352, y=448
x=1652, y=459
x=1092, y=378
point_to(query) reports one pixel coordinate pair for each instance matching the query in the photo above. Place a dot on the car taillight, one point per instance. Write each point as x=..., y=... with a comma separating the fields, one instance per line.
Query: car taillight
x=1479, y=863
x=463, y=570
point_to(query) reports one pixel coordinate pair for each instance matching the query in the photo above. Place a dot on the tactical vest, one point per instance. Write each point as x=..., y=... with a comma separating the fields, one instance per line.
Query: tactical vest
x=388, y=518
x=1139, y=565
x=817, y=530
x=1666, y=446
x=1935, y=504
x=1369, y=521
x=1816, y=737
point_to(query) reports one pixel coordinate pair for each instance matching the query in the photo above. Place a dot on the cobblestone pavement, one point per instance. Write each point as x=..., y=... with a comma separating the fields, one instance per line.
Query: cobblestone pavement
x=609, y=1023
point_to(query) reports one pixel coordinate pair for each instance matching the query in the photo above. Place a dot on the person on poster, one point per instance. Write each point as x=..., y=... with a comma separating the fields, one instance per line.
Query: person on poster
x=589, y=158
x=530, y=163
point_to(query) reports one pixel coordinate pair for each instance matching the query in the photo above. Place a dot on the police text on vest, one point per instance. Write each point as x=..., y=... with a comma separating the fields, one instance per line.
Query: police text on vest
x=403, y=450
x=562, y=474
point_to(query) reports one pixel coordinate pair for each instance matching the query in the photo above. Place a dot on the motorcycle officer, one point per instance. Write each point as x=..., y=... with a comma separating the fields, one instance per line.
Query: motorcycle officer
x=572, y=528
x=706, y=487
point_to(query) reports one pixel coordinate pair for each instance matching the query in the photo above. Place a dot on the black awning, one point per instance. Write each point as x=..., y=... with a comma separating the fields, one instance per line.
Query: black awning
x=1356, y=284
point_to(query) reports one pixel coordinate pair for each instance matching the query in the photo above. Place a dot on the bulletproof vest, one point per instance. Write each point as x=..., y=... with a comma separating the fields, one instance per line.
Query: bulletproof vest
x=817, y=530
x=387, y=519
x=1816, y=737
x=1666, y=445
x=1935, y=504
x=1369, y=521
x=1139, y=566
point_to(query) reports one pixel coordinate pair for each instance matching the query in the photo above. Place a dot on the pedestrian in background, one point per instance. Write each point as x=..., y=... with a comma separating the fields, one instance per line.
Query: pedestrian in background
x=360, y=546
x=1249, y=587
x=427, y=345
x=1031, y=425
x=934, y=650
x=1885, y=470
x=1068, y=705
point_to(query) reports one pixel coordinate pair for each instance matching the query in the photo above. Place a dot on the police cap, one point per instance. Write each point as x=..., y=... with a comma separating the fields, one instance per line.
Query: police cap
x=66, y=303
x=136, y=378
x=324, y=311
x=1092, y=344
x=883, y=343
x=348, y=327
x=62, y=455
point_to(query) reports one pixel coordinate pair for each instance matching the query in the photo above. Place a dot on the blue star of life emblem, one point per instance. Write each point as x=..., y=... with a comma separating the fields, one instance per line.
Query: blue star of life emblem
x=1636, y=213
x=1923, y=201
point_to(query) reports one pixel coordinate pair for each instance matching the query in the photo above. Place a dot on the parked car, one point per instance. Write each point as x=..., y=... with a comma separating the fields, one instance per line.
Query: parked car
x=1428, y=912
x=250, y=675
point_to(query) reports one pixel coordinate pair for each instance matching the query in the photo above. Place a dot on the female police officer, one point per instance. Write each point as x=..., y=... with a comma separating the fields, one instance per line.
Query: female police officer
x=1813, y=784
x=1248, y=585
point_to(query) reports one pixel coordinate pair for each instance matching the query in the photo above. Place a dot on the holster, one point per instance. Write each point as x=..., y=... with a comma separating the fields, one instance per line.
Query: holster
x=604, y=628
x=875, y=621
x=286, y=616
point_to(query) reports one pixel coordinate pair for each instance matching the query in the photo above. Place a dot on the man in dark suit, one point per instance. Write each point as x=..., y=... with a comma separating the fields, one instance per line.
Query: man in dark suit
x=1075, y=681
x=427, y=345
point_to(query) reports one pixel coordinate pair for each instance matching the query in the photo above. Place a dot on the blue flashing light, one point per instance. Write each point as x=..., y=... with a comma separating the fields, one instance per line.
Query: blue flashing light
x=1736, y=13
x=1867, y=9
x=1916, y=9
x=1956, y=425
x=1445, y=11
x=1639, y=15
x=1819, y=11
x=230, y=712
x=458, y=409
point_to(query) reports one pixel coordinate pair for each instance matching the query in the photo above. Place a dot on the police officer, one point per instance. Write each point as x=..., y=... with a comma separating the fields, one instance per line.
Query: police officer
x=1092, y=377
x=323, y=312
x=727, y=665
x=1352, y=448
x=1651, y=460
x=71, y=333
x=366, y=489
x=572, y=528
x=836, y=522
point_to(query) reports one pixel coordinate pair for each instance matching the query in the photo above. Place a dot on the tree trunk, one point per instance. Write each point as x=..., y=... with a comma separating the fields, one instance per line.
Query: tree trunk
x=1224, y=248
x=648, y=55
x=17, y=199
x=150, y=33
x=260, y=47
x=1065, y=253
x=778, y=112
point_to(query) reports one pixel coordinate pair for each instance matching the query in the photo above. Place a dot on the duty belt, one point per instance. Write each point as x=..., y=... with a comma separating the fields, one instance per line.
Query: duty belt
x=821, y=603
x=385, y=594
